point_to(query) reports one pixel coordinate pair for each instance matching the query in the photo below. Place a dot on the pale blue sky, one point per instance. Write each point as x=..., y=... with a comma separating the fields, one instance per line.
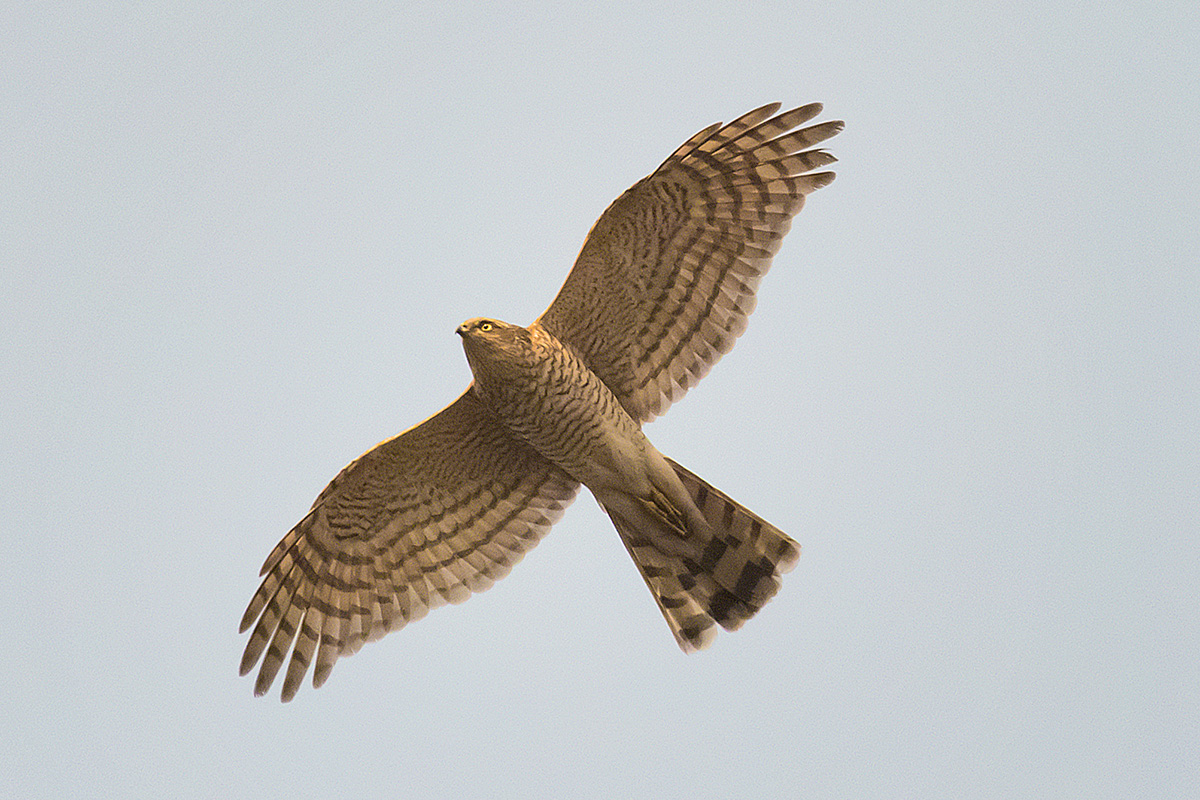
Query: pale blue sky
x=235, y=240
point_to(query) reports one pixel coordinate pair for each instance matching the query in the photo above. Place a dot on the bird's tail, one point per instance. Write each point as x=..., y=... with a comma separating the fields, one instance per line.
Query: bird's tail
x=723, y=573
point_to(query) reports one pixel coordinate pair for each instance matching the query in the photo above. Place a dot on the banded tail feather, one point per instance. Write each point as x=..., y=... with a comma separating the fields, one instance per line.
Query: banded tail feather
x=702, y=578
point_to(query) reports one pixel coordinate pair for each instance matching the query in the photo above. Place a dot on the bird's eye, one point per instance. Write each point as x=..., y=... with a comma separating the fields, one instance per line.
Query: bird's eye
x=485, y=326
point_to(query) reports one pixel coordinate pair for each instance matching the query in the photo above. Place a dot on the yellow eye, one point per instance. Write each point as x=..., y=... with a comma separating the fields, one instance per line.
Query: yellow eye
x=485, y=326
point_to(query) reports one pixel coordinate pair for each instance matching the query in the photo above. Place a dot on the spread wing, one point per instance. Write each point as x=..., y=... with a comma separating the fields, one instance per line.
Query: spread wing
x=666, y=278
x=426, y=518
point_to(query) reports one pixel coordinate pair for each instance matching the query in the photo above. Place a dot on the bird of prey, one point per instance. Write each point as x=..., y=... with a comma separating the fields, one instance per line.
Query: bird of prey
x=660, y=291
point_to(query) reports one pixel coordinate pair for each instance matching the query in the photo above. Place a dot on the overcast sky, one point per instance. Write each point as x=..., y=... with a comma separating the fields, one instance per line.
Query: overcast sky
x=235, y=241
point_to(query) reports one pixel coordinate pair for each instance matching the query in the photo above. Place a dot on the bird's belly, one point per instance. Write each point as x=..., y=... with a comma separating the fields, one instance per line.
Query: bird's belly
x=574, y=420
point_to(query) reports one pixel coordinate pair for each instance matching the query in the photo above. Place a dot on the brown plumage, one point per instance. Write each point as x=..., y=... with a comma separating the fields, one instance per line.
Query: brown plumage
x=661, y=289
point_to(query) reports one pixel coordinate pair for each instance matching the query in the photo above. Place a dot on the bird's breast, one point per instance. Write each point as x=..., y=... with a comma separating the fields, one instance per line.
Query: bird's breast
x=549, y=398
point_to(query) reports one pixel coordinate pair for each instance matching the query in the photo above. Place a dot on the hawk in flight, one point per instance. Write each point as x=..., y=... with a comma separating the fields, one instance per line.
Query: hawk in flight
x=660, y=291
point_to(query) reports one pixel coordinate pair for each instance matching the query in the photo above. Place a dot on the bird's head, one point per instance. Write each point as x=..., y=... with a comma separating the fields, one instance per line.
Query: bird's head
x=482, y=329
x=490, y=342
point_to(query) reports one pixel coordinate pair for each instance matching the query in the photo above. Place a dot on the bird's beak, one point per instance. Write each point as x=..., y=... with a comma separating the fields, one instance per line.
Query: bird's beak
x=461, y=330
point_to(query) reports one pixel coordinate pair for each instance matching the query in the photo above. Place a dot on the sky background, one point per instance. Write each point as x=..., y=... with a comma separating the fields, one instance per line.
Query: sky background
x=235, y=241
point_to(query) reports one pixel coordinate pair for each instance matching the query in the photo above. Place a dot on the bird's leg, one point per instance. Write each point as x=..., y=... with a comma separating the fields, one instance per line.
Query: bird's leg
x=661, y=508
